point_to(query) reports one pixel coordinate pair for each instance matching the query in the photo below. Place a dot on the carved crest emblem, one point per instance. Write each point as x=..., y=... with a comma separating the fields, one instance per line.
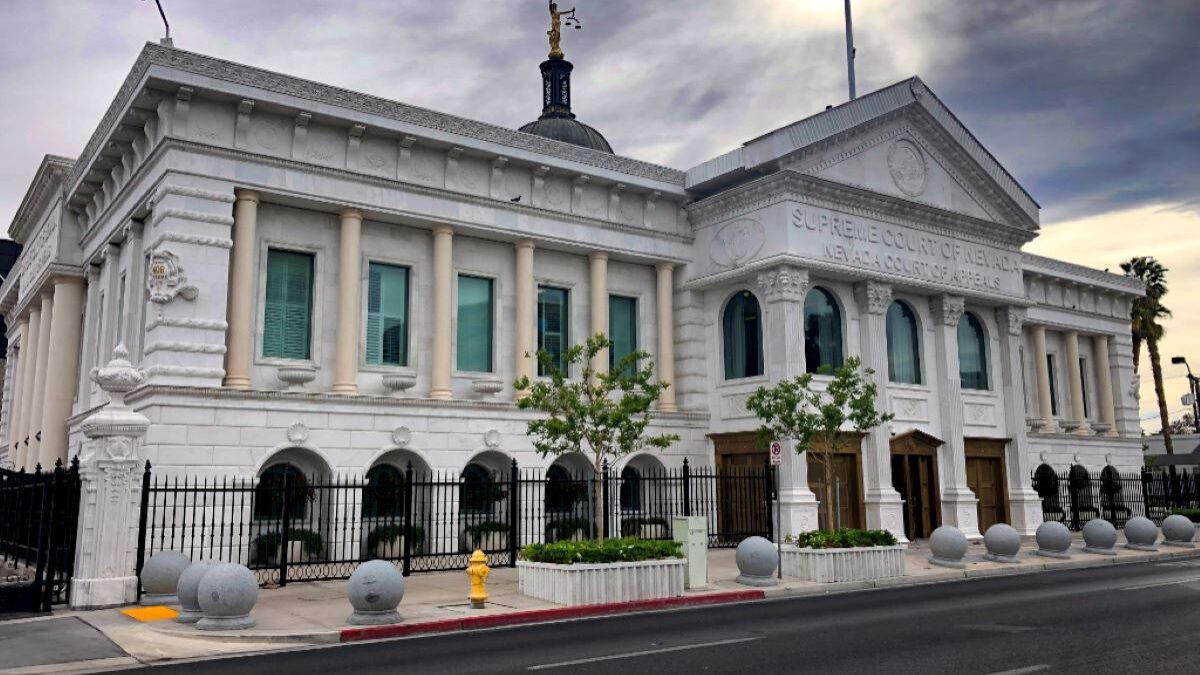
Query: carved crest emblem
x=167, y=279
x=907, y=166
x=737, y=243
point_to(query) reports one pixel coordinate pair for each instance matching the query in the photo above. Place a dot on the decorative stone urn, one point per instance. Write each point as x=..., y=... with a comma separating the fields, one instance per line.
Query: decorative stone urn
x=375, y=590
x=487, y=386
x=948, y=545
x=399, y=382
x=160, y=577
x=296, y=376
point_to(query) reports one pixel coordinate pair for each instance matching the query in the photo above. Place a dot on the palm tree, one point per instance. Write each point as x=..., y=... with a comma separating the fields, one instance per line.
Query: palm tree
x=1145, y=315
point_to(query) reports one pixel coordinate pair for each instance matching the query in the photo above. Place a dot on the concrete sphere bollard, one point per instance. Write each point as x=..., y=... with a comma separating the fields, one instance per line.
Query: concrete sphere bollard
x=756, y=559
x=1003, y=543
x=1141, y=534
x=1179, y=531
x=948, y=545
x=188, y=591
x=227, y=593
x=160, y=576
x=1053, y=540
x=1100, y=537
x=375, y=590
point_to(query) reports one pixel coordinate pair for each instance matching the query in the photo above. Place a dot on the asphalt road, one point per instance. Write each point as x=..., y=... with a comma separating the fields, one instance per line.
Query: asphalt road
x=1141, y=618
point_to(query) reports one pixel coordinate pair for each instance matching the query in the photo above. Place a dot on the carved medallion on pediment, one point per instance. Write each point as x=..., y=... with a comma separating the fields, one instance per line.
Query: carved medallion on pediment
x=907, y=167
x=267, y=132
x=737, y=243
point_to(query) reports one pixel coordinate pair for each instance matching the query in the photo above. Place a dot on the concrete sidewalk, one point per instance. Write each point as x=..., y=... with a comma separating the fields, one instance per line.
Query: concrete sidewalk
x=315, y=613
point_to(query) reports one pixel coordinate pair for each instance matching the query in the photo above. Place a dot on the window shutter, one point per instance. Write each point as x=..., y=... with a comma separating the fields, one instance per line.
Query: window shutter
x=394, y=313
x=274, y=311
x=474, y=324
x=622, y=329
x=552, y=324
x=374, y=317
x=287, y=316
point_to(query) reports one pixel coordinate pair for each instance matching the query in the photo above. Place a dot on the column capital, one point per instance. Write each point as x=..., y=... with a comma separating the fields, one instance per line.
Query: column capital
x=1011, y=319
x=784, y=283
x=244, y=195
x=665, y=267
x=598, y=255
x=873, y=297
x=947, y=309
x=443, y=229
x=523, y=243
x=350, y=213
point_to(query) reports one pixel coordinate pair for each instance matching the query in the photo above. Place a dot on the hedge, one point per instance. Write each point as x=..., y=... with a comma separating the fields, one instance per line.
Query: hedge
x=844, y=538
x=609, y=551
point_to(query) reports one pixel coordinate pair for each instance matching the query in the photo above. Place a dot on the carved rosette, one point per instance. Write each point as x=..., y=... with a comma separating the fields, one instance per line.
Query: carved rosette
x=947, y=309
x=873, y=297
x=1011, y=319
x=783, y=283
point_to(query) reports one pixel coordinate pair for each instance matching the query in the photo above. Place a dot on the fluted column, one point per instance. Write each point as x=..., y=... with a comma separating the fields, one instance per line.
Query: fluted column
x=345, y=369
x=61, y=368
x=526, y=345
x=443, y=281
x=665, y=361
x=783, y=288
x=1077, y=425
x=599, y=290
x=33, y=455
x=959, y=505
x=1104, y=387
x=29, y=349
x=239, y=341
x=885, y=509
x=1042, y=372
x=1024, y=504
x=18, y=394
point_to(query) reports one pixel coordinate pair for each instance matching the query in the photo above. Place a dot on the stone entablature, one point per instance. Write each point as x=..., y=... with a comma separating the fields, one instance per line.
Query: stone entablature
x=1062, y=285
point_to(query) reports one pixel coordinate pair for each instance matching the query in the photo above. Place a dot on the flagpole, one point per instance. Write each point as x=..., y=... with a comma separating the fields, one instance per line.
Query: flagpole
x=850, y=50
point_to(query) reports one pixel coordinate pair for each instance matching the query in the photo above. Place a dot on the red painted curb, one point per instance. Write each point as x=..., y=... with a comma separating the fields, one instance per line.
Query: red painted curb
x=538, y=615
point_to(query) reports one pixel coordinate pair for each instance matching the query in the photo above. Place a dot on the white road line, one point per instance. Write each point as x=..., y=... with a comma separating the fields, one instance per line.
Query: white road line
x=630, y=655
x=1162, y=583
x=1021, y=671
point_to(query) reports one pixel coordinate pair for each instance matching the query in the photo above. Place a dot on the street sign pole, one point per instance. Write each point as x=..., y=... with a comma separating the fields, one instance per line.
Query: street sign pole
x=776, y=461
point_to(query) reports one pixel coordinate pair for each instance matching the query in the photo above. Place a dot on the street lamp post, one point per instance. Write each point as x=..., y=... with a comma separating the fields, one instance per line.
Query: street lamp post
x=1194, y=387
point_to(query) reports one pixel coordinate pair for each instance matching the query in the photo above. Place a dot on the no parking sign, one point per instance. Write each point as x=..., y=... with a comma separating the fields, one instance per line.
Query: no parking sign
x=776, y=453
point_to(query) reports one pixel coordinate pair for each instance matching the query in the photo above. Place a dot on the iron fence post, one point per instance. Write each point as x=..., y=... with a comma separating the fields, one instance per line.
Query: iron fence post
x=143, y=515
x=606, y=507
x=408, y=524
x=514, y=510
x=43, y=536
x=687, y=488
x=52, y=537
x=284, y=531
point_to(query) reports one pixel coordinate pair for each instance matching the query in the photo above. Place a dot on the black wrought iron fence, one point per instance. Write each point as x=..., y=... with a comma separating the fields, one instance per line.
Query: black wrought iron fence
x=288, y=526
x=1076, y=495
x=39, y=513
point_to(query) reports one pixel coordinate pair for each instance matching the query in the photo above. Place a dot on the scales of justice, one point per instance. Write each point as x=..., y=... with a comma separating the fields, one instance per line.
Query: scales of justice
x=557, y=20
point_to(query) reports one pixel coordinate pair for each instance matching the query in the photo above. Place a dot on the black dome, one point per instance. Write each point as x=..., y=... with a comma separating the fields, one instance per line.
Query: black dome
x=568, y=130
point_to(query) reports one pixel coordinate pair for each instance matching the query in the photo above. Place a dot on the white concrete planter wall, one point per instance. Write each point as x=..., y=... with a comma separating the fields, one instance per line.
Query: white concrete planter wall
x=843, y=564
x=597, y=584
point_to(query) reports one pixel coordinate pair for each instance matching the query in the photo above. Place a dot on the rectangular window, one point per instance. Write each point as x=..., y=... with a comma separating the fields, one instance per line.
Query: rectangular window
x=474, y=324
x=387, y=315
x=1083, y=383
x=287, y=314
x=622, y=330
x=553, y=321
x=1053, y=384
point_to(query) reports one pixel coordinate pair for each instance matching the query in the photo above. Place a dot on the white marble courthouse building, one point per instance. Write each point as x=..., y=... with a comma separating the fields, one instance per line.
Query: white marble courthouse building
x=314, y=276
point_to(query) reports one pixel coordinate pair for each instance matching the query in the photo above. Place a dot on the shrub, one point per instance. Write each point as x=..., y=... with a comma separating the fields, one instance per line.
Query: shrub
x=267, y=545
x=1191, y=514
x=631, y=527
x=608, y=551
x=486, y=527
x=565, y=527
x=843, y=538
x=386, y=533
x=312, y=541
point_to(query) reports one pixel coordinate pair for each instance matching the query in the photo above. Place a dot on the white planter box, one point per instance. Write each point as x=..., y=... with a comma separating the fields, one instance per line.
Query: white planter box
x=598, y=584
x=830, y=565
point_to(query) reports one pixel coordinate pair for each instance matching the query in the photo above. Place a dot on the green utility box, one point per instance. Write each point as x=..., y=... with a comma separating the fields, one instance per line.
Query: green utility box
x=692, y=531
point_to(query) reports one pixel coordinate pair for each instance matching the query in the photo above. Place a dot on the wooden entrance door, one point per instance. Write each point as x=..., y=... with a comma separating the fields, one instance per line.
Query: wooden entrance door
x=741, y=491
x=915, y=477
x=845, y=492
x=985, y=477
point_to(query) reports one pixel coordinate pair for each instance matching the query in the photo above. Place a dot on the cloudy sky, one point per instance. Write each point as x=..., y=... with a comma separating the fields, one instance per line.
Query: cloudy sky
x=1093, y=106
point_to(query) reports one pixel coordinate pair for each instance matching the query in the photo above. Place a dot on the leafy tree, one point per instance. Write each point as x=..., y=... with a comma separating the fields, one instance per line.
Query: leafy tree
x=603, y=412
x=820, y=422
x=1183, y=425
x=1144, y=317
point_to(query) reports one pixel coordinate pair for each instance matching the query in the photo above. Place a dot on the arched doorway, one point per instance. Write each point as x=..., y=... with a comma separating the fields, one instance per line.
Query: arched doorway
x=915, y=477
x=483, y=500
x=291, y=509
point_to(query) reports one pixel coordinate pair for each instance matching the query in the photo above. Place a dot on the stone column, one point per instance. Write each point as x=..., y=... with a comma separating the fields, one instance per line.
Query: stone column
x=110, y=498
x=526, y=343
x=665, y=361
x=345, y=373
x=1077, y=423
x=61, y=364
x=599, y=289
x=242, y=289
x=1042, y=373
x=1104, y=387
x=443, y=308
x=959, y=505
x=885, y=509
x=34, y=448
x=29, y=344
x=18, y=395
x=1024, y=504
x=783, y=288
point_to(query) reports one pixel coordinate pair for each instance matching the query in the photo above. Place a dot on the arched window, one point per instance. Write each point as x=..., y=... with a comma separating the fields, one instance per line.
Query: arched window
x=972, y=353
x=903, y=343
x=743, y=331
x=477, y=489
x=270, y=497
x=631, y=489
x=560, y=489
x=822, y=331
x=383, y=494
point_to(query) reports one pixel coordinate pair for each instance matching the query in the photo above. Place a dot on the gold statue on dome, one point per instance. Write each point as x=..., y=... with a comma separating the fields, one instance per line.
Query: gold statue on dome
x=558, y=18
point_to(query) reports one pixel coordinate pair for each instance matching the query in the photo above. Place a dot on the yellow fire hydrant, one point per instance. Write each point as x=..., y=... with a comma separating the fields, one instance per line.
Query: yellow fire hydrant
x=478, y=571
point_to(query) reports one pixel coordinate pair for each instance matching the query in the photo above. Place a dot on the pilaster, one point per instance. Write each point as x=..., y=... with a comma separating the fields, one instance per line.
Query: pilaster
x=33, y=445
x=1024, y=504
x=959, y=505
x=62, y=360
x=599, y=305
x=443, y=280
x=345, y=373
x=240, y=318
x=665, y=361
x=526, y=342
